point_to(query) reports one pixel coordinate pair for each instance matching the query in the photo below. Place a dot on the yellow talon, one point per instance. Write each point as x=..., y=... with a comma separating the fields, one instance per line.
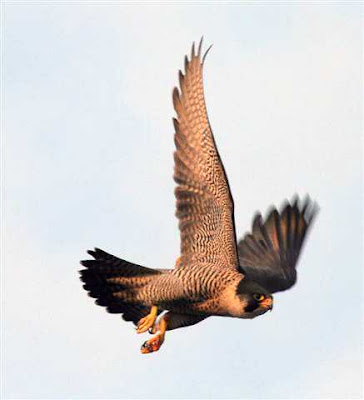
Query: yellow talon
x=148, y=321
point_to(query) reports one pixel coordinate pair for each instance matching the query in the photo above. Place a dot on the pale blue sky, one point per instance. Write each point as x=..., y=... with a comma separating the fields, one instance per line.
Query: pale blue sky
x=88, y=144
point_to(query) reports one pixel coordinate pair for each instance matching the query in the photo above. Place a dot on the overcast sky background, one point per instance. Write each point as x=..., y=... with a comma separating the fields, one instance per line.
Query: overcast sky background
x=88, y=143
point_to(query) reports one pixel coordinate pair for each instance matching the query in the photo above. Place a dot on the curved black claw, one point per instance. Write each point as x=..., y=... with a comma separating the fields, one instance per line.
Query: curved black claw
x=146, y=348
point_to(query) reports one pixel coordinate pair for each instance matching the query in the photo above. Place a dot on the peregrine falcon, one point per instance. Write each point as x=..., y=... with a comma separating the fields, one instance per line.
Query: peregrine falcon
x=214, y=275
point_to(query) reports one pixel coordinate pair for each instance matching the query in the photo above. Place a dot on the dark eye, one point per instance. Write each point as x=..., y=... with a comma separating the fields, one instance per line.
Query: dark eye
x=258, y=297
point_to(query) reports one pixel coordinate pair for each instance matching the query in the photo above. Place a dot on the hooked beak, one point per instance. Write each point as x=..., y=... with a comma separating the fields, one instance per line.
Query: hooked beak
x=267, y=303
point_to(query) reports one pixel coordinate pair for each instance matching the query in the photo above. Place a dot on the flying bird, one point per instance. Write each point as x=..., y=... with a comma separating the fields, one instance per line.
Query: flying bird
x=215, y=275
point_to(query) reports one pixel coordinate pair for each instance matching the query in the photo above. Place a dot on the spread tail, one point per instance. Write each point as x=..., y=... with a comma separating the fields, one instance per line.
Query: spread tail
x=115, y=283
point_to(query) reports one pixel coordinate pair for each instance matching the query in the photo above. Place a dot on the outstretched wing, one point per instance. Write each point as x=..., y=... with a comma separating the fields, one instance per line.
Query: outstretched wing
x=204, y=204
x=270, y=253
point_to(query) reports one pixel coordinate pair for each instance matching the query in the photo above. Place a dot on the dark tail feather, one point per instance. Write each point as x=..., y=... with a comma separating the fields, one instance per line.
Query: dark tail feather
x=114, y=283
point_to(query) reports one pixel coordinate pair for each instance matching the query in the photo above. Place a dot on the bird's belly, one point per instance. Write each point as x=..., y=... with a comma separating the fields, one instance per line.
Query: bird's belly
x=204, y=295
x=204, y=307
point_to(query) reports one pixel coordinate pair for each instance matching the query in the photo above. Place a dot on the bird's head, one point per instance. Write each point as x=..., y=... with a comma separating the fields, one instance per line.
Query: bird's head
x=255, y=299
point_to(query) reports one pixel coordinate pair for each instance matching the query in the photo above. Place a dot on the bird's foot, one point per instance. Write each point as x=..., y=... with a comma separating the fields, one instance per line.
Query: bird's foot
x=147, y=322
x=152, y=344
x=156, y=341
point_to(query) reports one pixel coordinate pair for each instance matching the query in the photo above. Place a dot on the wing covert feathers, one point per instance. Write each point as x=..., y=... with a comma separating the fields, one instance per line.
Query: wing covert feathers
x=269, y=254
x=204, y=204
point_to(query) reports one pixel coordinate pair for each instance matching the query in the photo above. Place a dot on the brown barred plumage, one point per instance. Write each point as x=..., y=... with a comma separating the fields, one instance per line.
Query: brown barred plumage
x=205, y=206
x=207, y=278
